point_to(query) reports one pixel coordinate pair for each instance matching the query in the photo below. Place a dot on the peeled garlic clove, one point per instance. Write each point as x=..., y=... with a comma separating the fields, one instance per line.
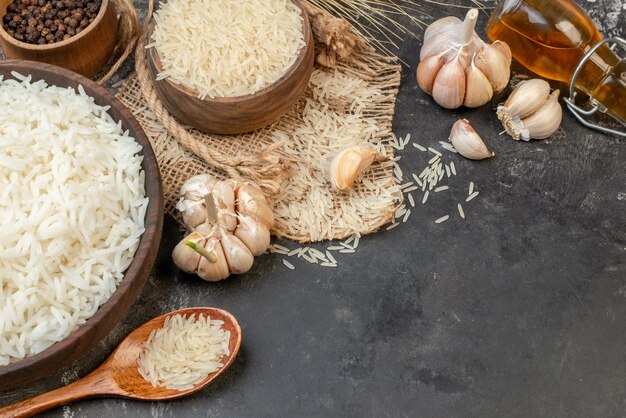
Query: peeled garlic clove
x=467, y=141
x=527, y=97
x=449, y=86
x=545, y=121
x=503, y=47
x=349, y=164
x=224, y=197
x=238, y=257
x=186, y=258
x=495, y=65
x=427, y=71
x=254, y=235
x=218, y=270
x=478, y=90
x=251, y=201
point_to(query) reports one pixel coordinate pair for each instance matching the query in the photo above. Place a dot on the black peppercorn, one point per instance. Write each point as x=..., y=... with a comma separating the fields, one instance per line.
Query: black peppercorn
x=48, y=21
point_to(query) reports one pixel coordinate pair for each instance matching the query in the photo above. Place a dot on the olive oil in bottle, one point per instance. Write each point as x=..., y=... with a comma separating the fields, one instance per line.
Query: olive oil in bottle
x=552, y=37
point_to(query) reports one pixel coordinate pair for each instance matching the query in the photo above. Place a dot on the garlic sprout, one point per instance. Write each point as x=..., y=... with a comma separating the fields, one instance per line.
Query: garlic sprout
x=230, y=223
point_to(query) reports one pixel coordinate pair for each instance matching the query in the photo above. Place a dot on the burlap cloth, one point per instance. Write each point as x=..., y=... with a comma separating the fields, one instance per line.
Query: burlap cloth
x=266, y=157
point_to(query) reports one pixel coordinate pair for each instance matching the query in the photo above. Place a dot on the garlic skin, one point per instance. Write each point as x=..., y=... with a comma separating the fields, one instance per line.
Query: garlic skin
x=545, y=121
x=238, y=256
x=427, y=72
x=451, y=53
x=495, y=65
x=449, y=86
x=478, y=90
x=531, y=112
x=230, y=223
x=348, y=164
x=254, y=235
x=527, y=97
x=224, y=197
x=186, y=258
x=251, y=201
x=467, y=141
x=213, y=272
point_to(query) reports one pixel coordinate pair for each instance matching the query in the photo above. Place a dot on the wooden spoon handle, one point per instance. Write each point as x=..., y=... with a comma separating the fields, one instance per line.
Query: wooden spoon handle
x=96, y=383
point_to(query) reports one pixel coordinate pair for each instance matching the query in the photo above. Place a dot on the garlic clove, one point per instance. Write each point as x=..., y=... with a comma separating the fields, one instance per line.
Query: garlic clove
x=467, y=141
x=186, y=258
x=224, y=197
x=495, y=65
x=449, y=85
x=251, y=201
x=196, y=187
x=254, y=235
x=238, y=257
x=208, y=230
x=218, y=270
x=545, y=121
x=527, y=97
x=427, y=72
x=504, y=48
x=349, y=164
x=478, y=90
x=194, y=212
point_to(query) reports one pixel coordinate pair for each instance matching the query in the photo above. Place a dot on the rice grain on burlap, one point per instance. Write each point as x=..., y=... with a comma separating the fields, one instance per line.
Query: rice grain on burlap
x=180, y=159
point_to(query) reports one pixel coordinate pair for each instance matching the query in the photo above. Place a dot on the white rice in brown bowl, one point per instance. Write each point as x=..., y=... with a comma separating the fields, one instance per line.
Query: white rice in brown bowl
x=72, y=209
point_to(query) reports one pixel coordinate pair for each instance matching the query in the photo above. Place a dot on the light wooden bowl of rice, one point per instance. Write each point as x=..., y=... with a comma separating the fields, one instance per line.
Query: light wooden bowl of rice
x=136, y=268
x=224, y=114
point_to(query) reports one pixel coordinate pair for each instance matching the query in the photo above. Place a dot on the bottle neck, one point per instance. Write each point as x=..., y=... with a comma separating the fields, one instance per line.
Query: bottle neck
x=603, y=77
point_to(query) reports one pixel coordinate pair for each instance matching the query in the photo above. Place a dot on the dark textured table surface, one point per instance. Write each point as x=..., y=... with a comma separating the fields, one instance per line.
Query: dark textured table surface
x=519, y=310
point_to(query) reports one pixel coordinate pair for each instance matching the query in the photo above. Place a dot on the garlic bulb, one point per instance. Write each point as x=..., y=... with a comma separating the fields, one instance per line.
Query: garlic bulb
x=230, y=223
x=457, y=68
x=467, y=141
x=349, y=164
x=531, y=112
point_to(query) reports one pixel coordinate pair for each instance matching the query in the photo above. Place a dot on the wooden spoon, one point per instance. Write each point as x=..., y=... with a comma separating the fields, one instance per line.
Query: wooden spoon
x=118, y=375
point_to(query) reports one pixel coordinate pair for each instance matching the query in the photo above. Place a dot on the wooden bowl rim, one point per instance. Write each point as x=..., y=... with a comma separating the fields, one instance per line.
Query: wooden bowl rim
x=152, y=235
x=49, y=47
x=306, y=30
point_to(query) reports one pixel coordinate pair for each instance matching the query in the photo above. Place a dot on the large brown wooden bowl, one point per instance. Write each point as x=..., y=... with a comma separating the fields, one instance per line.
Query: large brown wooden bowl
x=234, y=115
x=85, y=53
x=112, y=311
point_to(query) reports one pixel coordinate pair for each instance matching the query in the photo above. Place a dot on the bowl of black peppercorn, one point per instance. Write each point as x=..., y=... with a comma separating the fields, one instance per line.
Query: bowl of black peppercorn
x=79, y=35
